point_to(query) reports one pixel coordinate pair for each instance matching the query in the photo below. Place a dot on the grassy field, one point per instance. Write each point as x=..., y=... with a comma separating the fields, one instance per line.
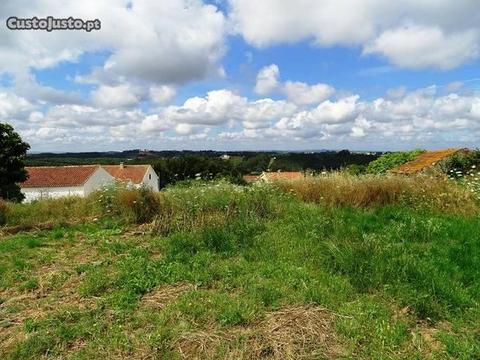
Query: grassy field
x=334, y=267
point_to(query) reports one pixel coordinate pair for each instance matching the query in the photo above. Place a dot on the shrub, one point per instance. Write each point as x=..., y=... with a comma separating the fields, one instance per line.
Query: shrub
x=138, y=206
x=3, y=212
x=390, y=160
x=461, y=162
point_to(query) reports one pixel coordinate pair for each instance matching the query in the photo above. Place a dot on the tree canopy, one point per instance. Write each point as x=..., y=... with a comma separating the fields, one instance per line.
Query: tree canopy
x=13, y=151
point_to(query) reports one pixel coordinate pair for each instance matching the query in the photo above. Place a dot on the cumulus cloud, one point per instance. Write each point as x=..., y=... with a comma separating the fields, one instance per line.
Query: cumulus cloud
x=12, y=106
x=179, y=40
x=304, y=94
x=115, y=96
x=416, y=116
x=216, y=108
x=414, y=34
x=299, y=93
x=402, y=46
x=162, y=94
x=267, y=80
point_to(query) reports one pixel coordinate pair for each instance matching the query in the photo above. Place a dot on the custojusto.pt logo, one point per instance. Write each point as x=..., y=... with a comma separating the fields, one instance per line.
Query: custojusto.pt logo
x=50, y=24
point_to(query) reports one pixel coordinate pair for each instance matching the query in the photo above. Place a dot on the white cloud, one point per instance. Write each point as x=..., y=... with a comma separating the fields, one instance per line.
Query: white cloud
x=162, y=94
x=172, y=41
x=419, y=117
x=267, y=80
x=258, y=114
x=411, y=33
x=339, y=111
x=184, y=129
x=304, y=94
x=420, y=47
x=216, y=108
x=12, y=106
x=115, y=96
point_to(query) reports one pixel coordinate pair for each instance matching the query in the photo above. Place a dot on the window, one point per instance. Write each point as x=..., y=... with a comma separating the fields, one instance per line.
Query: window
x=150, y=176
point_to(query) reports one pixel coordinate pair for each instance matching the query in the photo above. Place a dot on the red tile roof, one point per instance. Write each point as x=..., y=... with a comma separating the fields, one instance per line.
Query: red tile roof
x=423, y=161
x=133, y=173
x=58, y=176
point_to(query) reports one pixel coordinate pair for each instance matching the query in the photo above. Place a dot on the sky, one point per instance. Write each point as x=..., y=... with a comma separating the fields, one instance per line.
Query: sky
x=244, y=75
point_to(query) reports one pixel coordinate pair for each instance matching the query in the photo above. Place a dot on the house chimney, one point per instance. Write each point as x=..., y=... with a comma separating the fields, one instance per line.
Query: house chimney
x=121, y=165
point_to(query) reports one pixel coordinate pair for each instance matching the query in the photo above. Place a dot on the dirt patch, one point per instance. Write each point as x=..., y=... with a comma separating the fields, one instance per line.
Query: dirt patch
x=164, y=295
x=426, y=335
x=289, y=333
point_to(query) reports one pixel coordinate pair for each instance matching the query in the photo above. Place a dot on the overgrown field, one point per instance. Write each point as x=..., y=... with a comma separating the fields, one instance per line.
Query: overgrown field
x=333, y=267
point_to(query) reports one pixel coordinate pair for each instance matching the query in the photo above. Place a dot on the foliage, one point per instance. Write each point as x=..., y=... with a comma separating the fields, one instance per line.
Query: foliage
x=129, y=205
x=3, y=212
x=355, y=169
x=470, y=178
x=172, y=170
x=12, y=169
x=321, y=161
x=390, y=160
x=460, y=162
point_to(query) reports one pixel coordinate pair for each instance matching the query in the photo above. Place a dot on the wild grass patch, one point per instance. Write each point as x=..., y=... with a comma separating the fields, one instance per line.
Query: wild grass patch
x=366, y=191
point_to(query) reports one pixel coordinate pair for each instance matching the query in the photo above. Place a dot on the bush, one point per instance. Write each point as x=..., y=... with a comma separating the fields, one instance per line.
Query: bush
x=461, y=162
x=390, y=160
x=3, y=212
x=137, y=206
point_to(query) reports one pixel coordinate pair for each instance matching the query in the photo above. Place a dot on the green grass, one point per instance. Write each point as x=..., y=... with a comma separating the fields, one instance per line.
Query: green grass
x=393, y=282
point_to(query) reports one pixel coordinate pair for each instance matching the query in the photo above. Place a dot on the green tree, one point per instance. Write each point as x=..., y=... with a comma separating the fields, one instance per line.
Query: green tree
x=12, y=163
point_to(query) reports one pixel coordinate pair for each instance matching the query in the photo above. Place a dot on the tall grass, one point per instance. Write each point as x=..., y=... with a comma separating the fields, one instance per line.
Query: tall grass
x=216, y=203
x=419, y=192
x=61, y=210
x=176, y=208
x=212, y=205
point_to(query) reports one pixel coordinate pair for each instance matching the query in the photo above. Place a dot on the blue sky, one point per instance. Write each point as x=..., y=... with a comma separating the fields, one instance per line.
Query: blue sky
x=244, y=75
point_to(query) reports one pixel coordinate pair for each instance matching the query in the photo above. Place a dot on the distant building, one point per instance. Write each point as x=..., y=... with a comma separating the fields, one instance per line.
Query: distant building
x=82, y=180
x=59, y=181
x=134, y=175
x=225, y=157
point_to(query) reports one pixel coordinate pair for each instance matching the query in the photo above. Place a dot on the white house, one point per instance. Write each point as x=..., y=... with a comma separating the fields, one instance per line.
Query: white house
x=58, y=181
x=81, y=180
x=134, y=175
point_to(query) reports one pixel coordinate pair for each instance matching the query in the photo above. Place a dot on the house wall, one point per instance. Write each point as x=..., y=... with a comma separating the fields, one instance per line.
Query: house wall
x=52, y=192
x=96, y=181
x=150, y=179
x=99, y=179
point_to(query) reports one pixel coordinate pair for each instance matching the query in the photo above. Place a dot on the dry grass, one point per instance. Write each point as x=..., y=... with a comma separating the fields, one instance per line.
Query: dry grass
x=61, y=210
x=163, y=295
x=421, y=192
x=291, y=332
